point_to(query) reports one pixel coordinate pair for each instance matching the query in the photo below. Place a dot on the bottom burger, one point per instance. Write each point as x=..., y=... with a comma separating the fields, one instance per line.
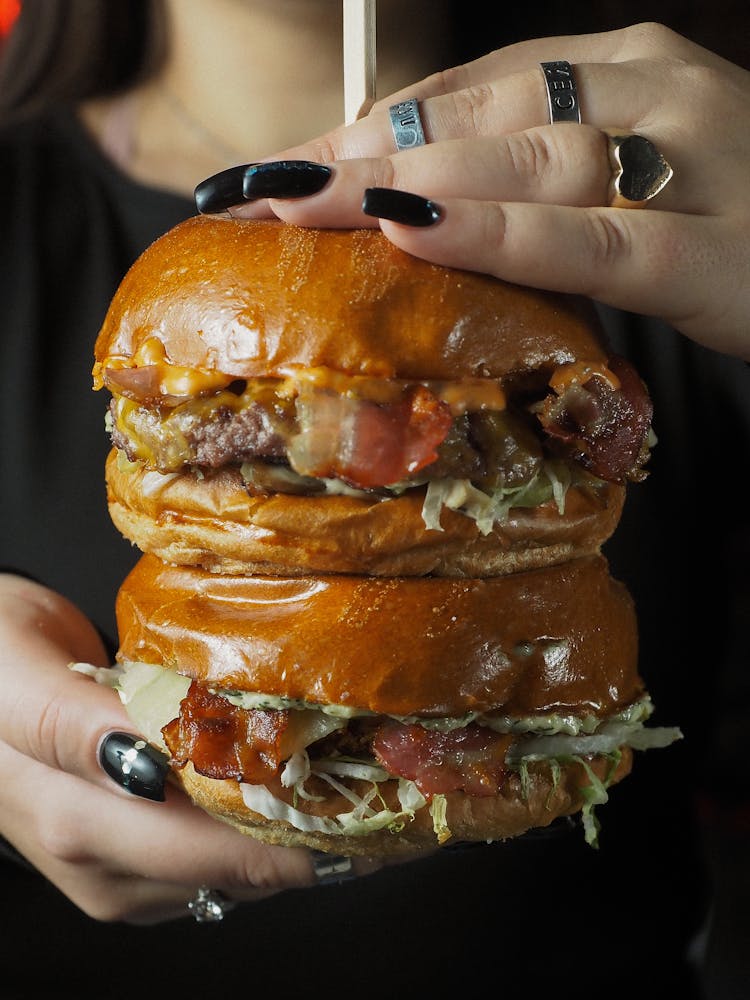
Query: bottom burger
x=378, y=716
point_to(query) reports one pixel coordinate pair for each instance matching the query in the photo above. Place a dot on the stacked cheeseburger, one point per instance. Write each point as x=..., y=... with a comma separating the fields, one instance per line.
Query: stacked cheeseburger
x=372, y=615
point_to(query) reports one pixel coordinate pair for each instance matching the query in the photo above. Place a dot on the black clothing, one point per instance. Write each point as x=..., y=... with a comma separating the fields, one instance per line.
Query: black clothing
x=72, y=226
x=542, y=915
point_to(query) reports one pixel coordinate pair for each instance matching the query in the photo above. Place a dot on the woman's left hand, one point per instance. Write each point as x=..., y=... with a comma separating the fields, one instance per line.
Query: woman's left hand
x=530, y=201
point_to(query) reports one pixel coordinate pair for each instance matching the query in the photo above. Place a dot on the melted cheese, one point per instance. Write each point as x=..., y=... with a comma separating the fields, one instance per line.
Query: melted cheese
x=578, y=373
x=172, y=380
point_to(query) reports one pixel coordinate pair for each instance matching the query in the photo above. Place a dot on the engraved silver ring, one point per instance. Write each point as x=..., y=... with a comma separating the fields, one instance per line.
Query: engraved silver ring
x=330, y=869
x=407, y=124
x=562, y=96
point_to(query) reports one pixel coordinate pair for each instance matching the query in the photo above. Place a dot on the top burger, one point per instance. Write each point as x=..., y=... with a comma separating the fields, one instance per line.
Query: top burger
x=289, y=401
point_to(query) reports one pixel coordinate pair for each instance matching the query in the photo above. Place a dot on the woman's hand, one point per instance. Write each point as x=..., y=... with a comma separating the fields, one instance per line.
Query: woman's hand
x=115, y=855
x=527, y=201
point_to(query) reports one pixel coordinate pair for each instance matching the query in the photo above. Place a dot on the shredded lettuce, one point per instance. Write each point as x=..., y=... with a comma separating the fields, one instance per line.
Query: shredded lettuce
x=361, y=820
x=607, y=739
x=154, y=482
x=438, y=808
x=152, y=694
x=551, y=482
x=595, y=794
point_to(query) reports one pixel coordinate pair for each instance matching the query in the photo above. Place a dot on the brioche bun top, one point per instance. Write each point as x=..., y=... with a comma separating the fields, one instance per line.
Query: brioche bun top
x=261, y=298
x=548, y=640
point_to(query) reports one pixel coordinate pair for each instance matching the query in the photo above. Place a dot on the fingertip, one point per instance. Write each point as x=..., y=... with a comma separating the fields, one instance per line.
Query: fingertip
x=260, y=210
x=401, y=207
x=133, y=764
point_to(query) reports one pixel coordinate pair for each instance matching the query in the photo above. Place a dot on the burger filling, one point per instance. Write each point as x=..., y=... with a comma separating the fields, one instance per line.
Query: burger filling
x=316, y=427
x=284, y=752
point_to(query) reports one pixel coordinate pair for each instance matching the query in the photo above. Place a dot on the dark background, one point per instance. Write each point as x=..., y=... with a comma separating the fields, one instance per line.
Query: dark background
x=544, y=914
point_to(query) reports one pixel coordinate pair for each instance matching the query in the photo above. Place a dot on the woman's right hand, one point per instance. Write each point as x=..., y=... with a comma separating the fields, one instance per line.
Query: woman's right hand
x=115, y=855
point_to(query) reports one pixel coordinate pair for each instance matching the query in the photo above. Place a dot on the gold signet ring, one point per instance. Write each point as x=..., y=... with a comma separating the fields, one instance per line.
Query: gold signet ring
x=639, y=171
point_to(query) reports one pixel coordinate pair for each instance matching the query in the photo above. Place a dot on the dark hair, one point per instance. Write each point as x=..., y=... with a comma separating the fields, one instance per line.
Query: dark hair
x=63, y=51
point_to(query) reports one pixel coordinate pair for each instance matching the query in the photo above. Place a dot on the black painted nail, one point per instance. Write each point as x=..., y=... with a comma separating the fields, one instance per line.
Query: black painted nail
x=134, y=765
x=285, y=179
x=400, y=206
x=221, y=191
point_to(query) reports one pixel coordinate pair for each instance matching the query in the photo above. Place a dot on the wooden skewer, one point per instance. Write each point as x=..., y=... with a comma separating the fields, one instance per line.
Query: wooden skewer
x=359, y=58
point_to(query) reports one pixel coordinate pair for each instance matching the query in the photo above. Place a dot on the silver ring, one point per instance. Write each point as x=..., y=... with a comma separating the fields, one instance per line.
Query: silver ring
x=562, y=96
x=209, y=905
x=407, y=124
x=331, y=869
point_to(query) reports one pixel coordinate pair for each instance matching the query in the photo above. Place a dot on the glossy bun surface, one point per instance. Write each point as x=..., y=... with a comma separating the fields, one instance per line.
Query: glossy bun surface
x=253, y=298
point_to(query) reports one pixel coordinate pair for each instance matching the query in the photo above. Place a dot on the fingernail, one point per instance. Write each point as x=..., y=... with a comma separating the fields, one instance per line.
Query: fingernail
x=400, y=206
x=135, y=765
x=285, y=179
x=221, y=191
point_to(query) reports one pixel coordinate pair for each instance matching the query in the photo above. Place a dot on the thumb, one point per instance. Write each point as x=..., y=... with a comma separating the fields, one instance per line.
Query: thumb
x=57, y=716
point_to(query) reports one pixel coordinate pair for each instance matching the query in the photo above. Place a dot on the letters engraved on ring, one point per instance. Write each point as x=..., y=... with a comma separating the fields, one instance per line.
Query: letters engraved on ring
x=562, y=96
x=407, y=125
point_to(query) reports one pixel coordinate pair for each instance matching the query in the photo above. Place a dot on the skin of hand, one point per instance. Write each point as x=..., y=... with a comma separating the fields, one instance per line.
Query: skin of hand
x=115, y=855
x=526, y=201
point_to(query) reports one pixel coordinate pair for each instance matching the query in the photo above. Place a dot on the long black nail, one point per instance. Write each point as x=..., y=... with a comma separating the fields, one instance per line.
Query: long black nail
x=400, y=206
x=221, y=191
x=135, y=765
x=285, y=179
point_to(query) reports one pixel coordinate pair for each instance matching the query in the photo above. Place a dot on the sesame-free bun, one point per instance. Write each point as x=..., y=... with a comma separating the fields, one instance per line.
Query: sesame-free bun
x=258, y=298
x=212, y=520
x=563, y=638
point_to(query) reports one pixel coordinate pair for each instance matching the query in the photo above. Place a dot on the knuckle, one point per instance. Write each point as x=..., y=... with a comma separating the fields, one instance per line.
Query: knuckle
x=493, y=223
x=607, y=237
x=45, y=734
x=328, y=149
x=708, y=89
x=473, y=106
x=62, y=840
x=258, y=871
x=532, y=155
x=384, y=173
x=650, y=37
x=452, y=79
x=262, y=868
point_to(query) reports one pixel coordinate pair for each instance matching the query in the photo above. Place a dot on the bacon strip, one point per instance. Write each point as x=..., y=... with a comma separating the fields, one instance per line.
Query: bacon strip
x=605, y=428
x=224, y=741
x=471, y=759
x=369, y=444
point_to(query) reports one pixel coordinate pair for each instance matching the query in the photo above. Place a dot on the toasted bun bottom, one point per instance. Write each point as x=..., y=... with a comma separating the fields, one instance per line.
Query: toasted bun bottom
x=469, y=818
x=212, y=521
